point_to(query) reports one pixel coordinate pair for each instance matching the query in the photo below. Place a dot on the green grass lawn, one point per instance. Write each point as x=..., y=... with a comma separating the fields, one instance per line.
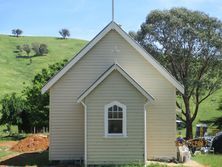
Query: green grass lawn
x=210, y=160
x=5, y=152
x=15, y=72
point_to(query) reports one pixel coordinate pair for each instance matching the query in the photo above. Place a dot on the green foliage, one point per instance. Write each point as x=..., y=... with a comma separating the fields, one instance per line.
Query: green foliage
x=12, y=108
x=217, y=122
x=64, y=33
x=19, y=48
x=39, y=49
x=220, y=106
x=188, y=43
x=27, y=49
x=31, y=110
x=17, y=32
x=37, y=103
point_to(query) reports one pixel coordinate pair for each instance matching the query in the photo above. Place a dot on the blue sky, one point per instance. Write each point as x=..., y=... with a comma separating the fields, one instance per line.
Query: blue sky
x=85, y=18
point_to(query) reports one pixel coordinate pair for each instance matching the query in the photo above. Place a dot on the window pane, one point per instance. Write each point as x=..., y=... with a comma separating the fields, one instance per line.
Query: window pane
x=115, y=114
x=110, y=114
x=115, y=108
x=110, y=109
x=120, y=114
x=120, y=109
x=115, y=126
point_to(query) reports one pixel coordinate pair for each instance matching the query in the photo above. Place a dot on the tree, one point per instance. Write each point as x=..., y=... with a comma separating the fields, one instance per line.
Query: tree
x=12, y=107
x=189, y=44
x=27, y=49
x=40, y=49
x=64, y=33
x=43, y=49
x=18, y=50
x=17, y=32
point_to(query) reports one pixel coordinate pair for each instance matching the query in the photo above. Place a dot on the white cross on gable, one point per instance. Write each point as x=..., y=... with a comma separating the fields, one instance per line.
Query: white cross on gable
x=115, y=51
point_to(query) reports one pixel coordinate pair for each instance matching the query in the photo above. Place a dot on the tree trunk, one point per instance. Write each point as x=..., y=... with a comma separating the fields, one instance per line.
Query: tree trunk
x=19, y=128
x=189, y=129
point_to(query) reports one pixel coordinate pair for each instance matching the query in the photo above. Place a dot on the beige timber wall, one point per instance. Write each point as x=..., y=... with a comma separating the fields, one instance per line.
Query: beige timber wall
x=117, y=150
x=67, y=117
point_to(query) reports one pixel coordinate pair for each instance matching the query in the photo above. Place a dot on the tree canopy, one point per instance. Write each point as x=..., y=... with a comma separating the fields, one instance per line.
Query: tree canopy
x=40, y=49
x=189, y=44
x=12, y=108
x=64, y=33
x=17, y=32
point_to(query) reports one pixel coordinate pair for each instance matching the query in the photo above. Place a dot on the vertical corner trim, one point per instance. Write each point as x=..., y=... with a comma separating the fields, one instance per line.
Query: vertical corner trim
x=85, y=134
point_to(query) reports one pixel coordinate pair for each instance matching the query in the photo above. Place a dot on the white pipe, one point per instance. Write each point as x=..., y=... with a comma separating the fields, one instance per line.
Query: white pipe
x=85, y=133
x=145, y=133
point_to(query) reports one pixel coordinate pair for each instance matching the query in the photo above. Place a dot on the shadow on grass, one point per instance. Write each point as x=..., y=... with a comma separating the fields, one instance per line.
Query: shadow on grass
x=28, y=57
x=28, y=159
x=12, y=137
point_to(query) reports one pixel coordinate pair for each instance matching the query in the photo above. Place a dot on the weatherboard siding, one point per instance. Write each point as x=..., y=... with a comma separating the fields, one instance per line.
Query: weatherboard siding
x=67, y=117
x=106, y=150
x=66, y=128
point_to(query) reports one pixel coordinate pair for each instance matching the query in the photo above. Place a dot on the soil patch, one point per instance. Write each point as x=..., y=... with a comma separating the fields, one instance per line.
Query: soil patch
x=32, y=143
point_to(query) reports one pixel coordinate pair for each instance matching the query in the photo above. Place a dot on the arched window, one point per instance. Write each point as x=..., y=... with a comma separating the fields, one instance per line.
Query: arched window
x=115, y=119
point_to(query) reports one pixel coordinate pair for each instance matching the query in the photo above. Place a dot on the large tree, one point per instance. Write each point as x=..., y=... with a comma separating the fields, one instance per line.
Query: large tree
x=188, y=43
x=17, y=32
x=64, y=33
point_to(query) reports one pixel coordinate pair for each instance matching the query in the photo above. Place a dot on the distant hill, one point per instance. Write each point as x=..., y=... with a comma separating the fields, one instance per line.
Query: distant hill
x=14, y=72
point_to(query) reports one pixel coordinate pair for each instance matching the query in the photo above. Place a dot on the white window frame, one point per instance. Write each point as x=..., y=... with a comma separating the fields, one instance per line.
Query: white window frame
x=106, y=123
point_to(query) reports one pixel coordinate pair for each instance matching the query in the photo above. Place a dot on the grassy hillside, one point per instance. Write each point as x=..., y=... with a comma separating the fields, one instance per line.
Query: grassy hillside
x=15, y=71
x=209, y=108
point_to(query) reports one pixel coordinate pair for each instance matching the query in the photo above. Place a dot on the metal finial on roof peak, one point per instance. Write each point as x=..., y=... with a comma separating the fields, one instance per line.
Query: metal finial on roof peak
x=113, y=10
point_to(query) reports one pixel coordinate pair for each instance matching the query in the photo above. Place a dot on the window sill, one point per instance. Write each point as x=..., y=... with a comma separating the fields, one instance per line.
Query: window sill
x=116, y=136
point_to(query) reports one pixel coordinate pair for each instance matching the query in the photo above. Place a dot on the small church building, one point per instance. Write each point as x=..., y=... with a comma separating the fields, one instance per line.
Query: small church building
x=113, y=103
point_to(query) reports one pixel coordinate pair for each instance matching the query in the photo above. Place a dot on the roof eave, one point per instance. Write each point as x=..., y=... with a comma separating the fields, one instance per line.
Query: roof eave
x=76, y=58
x=106, y=74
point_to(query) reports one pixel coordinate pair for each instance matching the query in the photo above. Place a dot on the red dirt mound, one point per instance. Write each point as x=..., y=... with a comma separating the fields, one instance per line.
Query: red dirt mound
x=32, y=143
